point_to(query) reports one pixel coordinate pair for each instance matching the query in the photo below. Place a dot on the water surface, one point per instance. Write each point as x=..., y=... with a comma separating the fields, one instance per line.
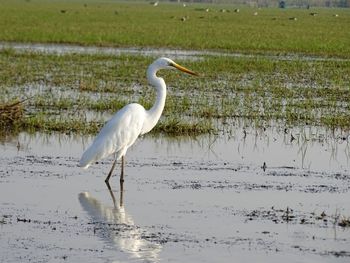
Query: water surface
x=208, y=199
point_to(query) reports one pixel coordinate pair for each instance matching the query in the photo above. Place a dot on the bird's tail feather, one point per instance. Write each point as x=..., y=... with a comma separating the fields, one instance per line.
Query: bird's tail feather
x=94, y=153
x=84, y=163
x=89, y=156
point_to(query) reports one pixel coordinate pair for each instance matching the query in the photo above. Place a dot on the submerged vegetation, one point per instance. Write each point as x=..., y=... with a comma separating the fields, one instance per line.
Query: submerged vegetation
x=78, y=92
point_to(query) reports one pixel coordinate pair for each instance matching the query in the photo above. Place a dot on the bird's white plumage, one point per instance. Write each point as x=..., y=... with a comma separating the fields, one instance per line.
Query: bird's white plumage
x=120, y=132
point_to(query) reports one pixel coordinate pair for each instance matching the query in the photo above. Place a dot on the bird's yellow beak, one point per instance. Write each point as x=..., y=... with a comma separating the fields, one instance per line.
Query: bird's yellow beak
x=183, y=69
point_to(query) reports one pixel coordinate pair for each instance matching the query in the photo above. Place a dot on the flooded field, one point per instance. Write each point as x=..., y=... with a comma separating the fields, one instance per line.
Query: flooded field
x=251, y=196
x=255, y=163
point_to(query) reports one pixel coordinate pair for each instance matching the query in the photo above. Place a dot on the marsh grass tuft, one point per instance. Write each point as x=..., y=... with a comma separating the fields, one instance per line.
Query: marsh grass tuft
x=11, y=113
x=174, y=126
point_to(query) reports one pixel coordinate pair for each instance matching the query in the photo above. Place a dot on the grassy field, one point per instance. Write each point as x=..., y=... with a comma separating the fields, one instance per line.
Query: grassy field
x=112, y=23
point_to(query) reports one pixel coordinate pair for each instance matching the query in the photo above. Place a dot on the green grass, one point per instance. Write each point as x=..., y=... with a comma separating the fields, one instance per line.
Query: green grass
x=112, y=23
x=73, y=93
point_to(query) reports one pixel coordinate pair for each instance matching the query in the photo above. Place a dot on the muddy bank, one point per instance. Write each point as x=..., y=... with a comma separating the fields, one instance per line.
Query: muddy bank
x=190, y=200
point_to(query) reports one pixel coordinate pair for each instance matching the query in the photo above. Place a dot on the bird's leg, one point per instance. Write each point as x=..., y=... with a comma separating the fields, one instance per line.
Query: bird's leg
x=122, y=173
x=121, y=193
x=110, y=173
x=122, y=183
x=111, y=193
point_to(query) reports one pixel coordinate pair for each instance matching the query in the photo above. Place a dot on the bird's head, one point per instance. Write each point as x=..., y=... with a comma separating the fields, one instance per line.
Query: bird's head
x=167, y=63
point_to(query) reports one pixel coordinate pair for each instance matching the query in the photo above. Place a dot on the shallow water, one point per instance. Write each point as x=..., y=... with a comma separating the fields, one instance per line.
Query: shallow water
x=208, y=199
x=173, y=53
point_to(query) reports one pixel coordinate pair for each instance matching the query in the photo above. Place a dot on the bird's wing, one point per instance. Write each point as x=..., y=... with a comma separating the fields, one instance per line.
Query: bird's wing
x=117, y=134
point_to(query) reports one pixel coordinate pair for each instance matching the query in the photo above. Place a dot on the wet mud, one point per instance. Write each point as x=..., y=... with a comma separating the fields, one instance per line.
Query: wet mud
x=186, y=200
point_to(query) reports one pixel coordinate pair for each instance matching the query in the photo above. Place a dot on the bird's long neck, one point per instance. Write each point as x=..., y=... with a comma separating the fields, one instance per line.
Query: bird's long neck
x=154, y=113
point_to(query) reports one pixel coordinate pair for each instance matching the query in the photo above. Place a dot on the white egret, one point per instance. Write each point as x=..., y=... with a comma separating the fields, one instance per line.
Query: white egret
x=122, y=130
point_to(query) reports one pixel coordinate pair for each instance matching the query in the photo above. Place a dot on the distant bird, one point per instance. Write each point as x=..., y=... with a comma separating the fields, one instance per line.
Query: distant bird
x=154, y=3
x=255, y=13
x=236, y=10
x=336, y=15
x=122, y=130
x=184, y=18
x=313, y=14
x=293, y=18
x=63, y=11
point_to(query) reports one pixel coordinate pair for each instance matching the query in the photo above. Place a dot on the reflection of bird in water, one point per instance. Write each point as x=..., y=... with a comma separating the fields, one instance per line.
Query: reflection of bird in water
x=120, y=132
x=118, y=229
